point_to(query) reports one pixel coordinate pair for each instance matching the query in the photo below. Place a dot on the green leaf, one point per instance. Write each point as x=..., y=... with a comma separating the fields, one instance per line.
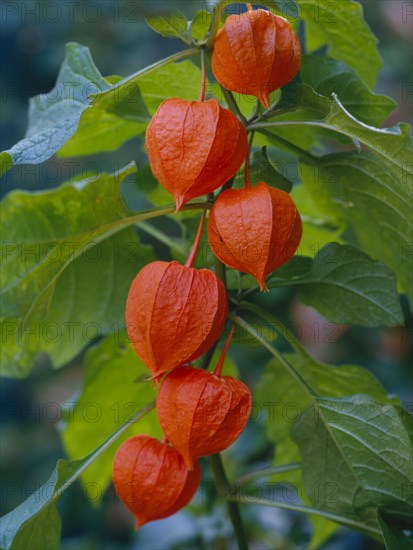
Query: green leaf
x=54, y=117
x=393, y=145
x=284, y=402
x=43, y=531
x=373, y=200
x=263, y=170
x=200, y=26
x=124, y=111
x=16, y=354
x=174, y=25
x=6, y=162
x=347, y=286
x=327, y=76
x=181, y=80
x=29, y=518
x=320, y=227
x=88, y=302
x=342, y=28
x=115, y=387
x=359, y=446
x=45, y=232
x=147, y=183
x=396, y=530
x=109, y=122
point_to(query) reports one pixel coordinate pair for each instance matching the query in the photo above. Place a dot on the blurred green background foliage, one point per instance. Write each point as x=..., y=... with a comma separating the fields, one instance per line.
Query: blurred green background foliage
x=32, y=42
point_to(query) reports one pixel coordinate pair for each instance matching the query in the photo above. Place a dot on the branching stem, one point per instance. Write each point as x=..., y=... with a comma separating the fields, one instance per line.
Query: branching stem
x=191, y=258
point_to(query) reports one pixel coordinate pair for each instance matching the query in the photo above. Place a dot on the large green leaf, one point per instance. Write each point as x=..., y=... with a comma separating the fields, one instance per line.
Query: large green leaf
x=35, y=522
x=373, y=200
x=280, y=391
x=43, y=531
x=173, y=25
x=342, y=28
x=393, y=145
x=88, y=302
x=284, y=401
x=114, y=389
x=94, y=114
x=327, y=76
x=319, y=226
x=347, y=286
x=54, y=117
x=361, y=447
x=123, y=112
x=45, y=232
x=108, y=122
x=200, y=26
x=262, y=170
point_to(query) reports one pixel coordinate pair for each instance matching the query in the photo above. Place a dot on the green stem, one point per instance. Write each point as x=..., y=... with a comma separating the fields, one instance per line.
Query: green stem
x=220, y=476
x=274, y=352
x=348, y=522
x=116, y=226
x=215, y=25
x=88, y=461
x=266, y=472
x=157, y=65
x=222, y=484
x=233, y=105
x=220, y=364
x=247, y=161
x=317, y=124
x=279, y=326
x=290, y=146
x=191, y=258
x=162, y=237
x=255, y=115
x=282, y=123
x=269, y=113
x=207, y=357
x=203, y=81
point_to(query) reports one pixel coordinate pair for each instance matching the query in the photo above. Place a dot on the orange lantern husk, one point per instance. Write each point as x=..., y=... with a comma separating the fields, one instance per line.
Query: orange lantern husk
x=194, y=147
x=254, y=230
x=152, y=479
x=174, y=314
x=202, y=413
x=256, y=53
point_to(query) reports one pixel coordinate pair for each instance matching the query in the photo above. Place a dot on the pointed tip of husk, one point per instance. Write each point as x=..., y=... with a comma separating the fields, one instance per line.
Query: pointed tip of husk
x=179, y=202
x=190, y=463
x=263, y=286
x=138, y=524
x=264, y=99
x=156, y=379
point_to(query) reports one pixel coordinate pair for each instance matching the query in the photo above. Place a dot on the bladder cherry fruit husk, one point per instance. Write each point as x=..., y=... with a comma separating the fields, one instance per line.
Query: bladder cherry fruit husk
x=194, y=147
x=152, y=479
x=200, y=412
x=256, y=53
x=254, y=230
x=174, y=314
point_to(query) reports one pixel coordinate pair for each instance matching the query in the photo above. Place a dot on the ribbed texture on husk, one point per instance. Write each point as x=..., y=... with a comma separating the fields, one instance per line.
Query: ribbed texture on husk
x=254, y=230
x=256, y=53
x=194, y=147
x=152, y=479
x=202, y=413
x=174, y=314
